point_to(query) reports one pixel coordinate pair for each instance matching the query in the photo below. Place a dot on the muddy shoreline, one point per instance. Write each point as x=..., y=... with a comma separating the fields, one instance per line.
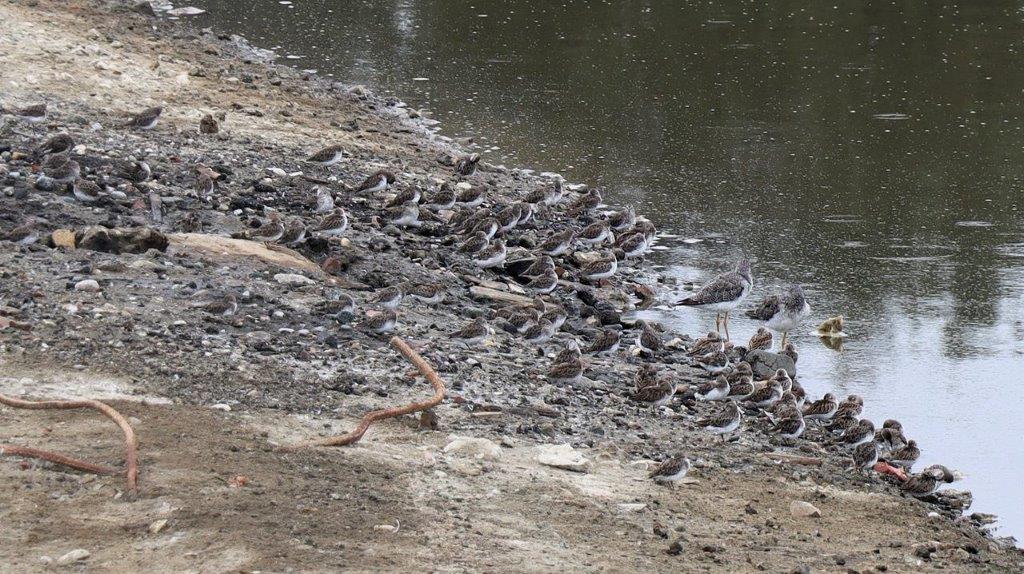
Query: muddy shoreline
x=281, y=370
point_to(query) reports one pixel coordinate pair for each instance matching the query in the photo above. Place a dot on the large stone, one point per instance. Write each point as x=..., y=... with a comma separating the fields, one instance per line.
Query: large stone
x=63, y=238
x=562, y=456
x=802, y=509
x=474, y=447
x=228, y=248
x=293, y=279
x=73, y=556
x=765, y=363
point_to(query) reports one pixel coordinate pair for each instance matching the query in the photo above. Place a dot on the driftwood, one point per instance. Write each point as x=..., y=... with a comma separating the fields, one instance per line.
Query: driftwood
x=130, y=444
x=794, y=459
x=494, y=294
x=369, y=418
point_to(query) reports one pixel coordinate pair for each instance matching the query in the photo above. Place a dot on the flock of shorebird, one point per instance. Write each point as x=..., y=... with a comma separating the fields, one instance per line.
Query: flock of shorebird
x=483, y=228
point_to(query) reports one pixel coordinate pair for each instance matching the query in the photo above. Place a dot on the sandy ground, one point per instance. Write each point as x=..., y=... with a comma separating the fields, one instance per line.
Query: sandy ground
x=398, y=501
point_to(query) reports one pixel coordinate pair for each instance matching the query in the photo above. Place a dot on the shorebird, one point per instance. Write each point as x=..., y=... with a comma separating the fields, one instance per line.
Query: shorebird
x=59, y=143
x=633, y=246
x=706, y=344
x=508, y=218
x=539, y=332
x=475, y=244
x=59, y=168
x=543, y=284
x=25, y=234
x=647, y=339
x=336, y=304
x=428, y=293
x=540, y=266
x=742, y=388
x=548, y=194
x=270, y=231
x=294, y=232
x=865, y=456
x=717, y=390
x=324, y=200
x=714, y=362
x=862, y=432
x=376, y=182
x=585, y=203
x=645, y=376
x=851, y=406
x=557, y=243
x=823, y=409
x=471, y=197
x=472, y=334
x=407, y=215
x=606, y=343
x=671, y=470
x=382, y=322
x=791, y=427
x=566, y=373
x=600, y=269
x=658, y=394
x=334, y=223
x=723, y=294
x=389, y=297
x=783, y=313
x=740, y=370
x=556, y=316
x=723, y=422
x=466, y=165
x=622, y=220
x=443, y=198
x=146, y=119
x=760, y=341
x=33, y=114
x=208, y=125
x=224, y=307
x=328, y=156
x=86, y=191
x=767, y=395
x=594, y=234
x=410, y=194
x=492, y=256
x=927, y=482
x=905, y=456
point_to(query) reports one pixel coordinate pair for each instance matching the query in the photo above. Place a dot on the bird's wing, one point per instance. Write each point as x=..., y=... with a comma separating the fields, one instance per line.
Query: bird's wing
x=724, y=288
x=766, y=310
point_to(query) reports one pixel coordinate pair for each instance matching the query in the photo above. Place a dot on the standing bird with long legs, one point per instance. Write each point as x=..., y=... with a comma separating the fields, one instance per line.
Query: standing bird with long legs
x=783, y=313
x=723, y=294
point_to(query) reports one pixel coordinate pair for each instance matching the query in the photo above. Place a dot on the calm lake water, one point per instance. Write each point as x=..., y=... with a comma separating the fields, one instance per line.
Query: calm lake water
x=871, y=151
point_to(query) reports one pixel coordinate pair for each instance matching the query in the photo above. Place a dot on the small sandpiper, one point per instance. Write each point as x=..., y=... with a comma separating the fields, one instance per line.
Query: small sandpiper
x=862, y=432
x=540, y=266
x=567, y=373
x=851, y=406
x=766, y=396
x=25, y=234
x=790, y=351
x=139, y=172
x=520, y=320
x=334, y=223
x=790, y=428
x=606, y=343
x=724, y=422
x=585, y=203
x=429, y=293
x=410, y=194
x=723, y=294
x=471, y=197
x=594, y=234
x=539, y=332
x=714, y=362
x=146, y=119
x=466, y=165
x=906, y=456
x=622, y=220
x=707, y=344
x=475, y=244
x=645, y=376
x=407, y=215
x=204, y=184
x=472, y=334
x=557, y=243
x=377, y=182
x=785, y=408
x=492, y=256
x=556, y=315
x=61, y=169
x=294, y=232
x=224, y=307
x=671, y=470
x=842, y=422
x=548, y=194
x=86, y=191
x=442, y=199
x=388, y=297
x=543, y=284
x=324, y=200
x=208, y=125
x=648, y=340
x=270, y=231
x=508, y=218
x=823, y=409
x=741, y=389
x=336, y=303
x=633, y=246
x=783, y=313
x=658, y=394
x=760, y=341
x=381, y=322
x=328, y=156
x=59, y=143
x=526, y=212
x=865, y=456
x=716, y=390
x=927, y=482
x=488, y=226
x=33, y=114
x=600, y=269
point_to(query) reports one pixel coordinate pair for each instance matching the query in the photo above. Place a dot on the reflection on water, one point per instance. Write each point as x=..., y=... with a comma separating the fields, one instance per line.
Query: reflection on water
x=869, y=151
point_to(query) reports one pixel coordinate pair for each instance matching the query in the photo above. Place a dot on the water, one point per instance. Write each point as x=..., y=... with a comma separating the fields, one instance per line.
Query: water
x=871, y=152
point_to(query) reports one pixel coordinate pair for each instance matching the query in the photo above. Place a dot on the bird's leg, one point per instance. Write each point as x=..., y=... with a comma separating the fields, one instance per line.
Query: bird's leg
x=782, y=345
x=718, y=321
x=726, y=322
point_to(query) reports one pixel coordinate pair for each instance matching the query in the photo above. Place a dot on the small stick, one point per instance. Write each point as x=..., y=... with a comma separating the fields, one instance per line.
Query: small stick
x=130, y=444
x=794, y=459
x=56, y=458
x=369, y=418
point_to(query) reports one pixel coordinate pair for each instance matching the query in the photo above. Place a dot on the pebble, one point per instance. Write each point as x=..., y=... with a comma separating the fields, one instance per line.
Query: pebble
x=157, y=526
x=802, y=509
x=293, y=279
x=221, y=407
x=73, y=556
x=562, y=456
x=475, y=447
x=88, y=286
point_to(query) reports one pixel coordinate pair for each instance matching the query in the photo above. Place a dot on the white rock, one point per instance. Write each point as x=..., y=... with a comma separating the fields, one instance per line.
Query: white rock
x=221, y=407
x=475, y=447
x=803, y=509
x=186, y=11
x=293, y=279
x=277, y=171
x=73, y=556
x=87, y=285
x=632, y=506
x=562, y=456
x=157, y=526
